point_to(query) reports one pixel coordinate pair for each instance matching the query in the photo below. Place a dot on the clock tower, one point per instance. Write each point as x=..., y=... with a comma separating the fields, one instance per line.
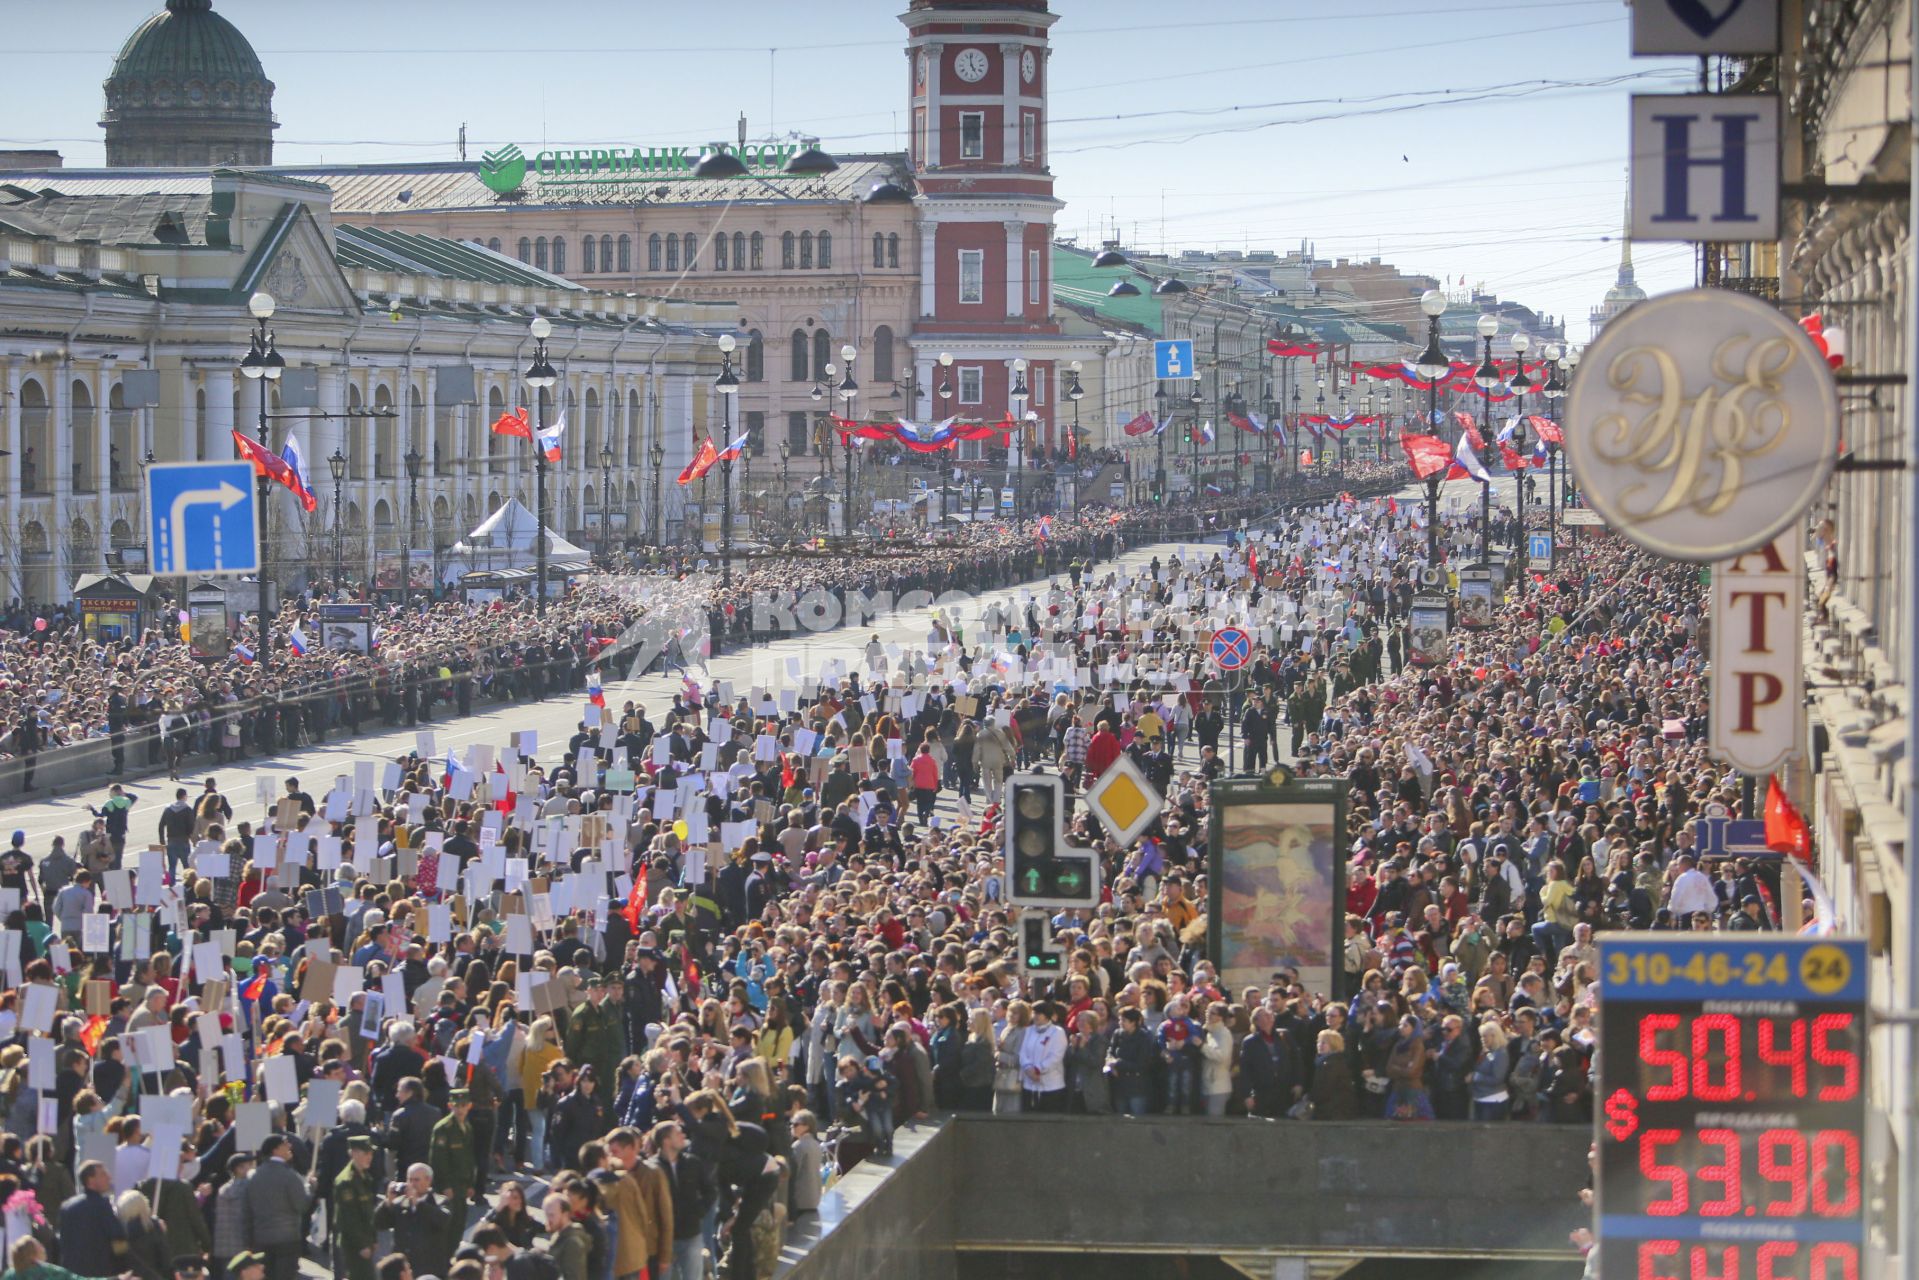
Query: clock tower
x=976, y=72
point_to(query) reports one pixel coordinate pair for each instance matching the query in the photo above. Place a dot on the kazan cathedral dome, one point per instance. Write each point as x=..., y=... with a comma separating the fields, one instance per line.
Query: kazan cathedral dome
x=188, y=90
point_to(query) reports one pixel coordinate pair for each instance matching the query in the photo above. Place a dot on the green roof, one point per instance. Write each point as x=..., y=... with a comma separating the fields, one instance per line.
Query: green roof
x=380, y=249
x=1075, y=280
x=184, y=43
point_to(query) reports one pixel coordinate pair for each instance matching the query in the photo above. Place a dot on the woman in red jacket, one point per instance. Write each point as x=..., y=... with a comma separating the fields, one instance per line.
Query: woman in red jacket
x=926, y=782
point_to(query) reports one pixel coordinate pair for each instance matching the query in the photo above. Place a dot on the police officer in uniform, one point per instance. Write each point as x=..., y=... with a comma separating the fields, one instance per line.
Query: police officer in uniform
x=452, y=1158
x=353, y=1205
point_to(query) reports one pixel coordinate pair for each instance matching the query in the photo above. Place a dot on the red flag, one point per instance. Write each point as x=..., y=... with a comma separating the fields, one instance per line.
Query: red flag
x=1546, y=429
x=1511, y=457
x=513, y=424
x=689, y=972
x=1392, y=506
x=270, y=465
x=1470, y=429
x=703, y=460
x=1142, y=424
x=1427, y=455
x=1252, y=560
x=1786, y=831
x=636, y=900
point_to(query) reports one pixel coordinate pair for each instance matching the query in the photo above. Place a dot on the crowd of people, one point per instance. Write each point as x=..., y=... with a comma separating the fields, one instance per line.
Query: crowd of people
x=649, y=992
x=159, y=703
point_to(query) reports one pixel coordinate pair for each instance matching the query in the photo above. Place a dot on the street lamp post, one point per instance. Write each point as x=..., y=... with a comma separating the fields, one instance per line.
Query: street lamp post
x=1292, y=444
x=728, y=385
x=337, y=464
x=1555, y=390
x=1432, y=366
x=264, y=365
x=1160, y=410
x=1486, y=377
x=606, y=504
x=1075, y=392
x=412, y=461
x=540, y=375
x=786, y=457
x=656, y=454
x=847, y=390
x=1017, y=474
x=1519, y=384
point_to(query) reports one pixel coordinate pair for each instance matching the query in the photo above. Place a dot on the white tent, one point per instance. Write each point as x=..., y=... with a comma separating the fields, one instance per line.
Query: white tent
x=505, y=540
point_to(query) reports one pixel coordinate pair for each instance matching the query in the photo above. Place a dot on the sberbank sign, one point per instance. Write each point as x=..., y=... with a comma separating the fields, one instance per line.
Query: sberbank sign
x=504, y=171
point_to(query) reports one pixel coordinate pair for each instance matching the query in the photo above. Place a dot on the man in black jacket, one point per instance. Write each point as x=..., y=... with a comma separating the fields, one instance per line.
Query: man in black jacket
x=693, y=1186
x=418, y=1220
x=410, y=1131
x=92, y=1240
x=642, y=997
x=1269, y=1072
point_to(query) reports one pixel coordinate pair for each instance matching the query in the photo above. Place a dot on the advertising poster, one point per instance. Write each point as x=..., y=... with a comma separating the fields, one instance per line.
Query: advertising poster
x=1476, y=599
x=207, y=626
x=346, y=628
x=1426, y=632
x=1280, y=899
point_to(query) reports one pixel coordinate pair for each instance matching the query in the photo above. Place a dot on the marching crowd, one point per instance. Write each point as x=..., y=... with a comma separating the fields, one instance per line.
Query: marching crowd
x=648, y=993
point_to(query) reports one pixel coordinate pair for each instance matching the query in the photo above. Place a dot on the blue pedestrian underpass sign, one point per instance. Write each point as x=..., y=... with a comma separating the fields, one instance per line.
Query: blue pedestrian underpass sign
x=202, y=518
x=1173, y=358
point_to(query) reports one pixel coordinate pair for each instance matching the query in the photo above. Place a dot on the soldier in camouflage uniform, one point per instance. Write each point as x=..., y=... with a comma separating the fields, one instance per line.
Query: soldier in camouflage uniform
x=454, y=1164
x=353, y=1203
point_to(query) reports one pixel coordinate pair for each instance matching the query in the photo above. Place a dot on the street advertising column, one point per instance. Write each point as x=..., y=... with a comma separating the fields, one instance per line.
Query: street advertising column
x=1278, y=880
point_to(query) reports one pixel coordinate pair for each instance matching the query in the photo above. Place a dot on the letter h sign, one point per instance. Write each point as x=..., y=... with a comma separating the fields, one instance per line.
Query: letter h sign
x=1705, y=167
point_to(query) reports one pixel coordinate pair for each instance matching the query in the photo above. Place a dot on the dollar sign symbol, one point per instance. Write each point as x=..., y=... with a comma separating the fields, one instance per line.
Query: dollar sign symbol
x=1622, y=1115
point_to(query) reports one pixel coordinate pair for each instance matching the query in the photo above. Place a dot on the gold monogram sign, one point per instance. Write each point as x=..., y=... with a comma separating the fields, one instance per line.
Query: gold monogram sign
x=1701, y=423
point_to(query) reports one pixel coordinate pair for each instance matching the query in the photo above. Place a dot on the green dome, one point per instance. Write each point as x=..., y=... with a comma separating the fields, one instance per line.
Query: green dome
x=187, y=68
x=188, y=56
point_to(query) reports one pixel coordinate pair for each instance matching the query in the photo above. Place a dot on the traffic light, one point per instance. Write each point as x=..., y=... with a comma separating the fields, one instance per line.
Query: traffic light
x=1038, y=956
x=1043, y=870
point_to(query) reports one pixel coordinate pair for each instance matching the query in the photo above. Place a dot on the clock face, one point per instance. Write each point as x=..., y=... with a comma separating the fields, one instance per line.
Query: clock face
x=971, y=65
x=1028, y=66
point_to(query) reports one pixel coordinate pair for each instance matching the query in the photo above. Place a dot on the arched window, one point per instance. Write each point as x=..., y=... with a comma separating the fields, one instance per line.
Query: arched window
x=587, y=256
x=559, y=255
x=689, y=244
x=882, y=354
x=606, y=253
x=539, y=253
x=739, y=251
x=759, y=252
x=826, y=251
x=822, y=352
x=526, y=249
x=653, y=252
x=797, y=371
x=494, y=244
x=879, y=249
x=755, y=356
x=786, y=250
x=672, y=253
x=719, y=252
x=893, y=249
x=626, y=253
x=806, y=250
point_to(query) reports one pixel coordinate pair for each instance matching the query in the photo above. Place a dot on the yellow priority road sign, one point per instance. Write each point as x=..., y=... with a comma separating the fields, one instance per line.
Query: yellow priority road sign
x=1124, y=801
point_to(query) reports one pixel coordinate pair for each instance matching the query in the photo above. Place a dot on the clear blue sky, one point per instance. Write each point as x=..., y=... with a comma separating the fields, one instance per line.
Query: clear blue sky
x=1206, y=123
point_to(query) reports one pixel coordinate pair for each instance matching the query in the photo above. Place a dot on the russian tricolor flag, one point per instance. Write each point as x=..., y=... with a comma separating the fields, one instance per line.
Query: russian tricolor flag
x=594, y=694
x=297, y=640
x=243, y=653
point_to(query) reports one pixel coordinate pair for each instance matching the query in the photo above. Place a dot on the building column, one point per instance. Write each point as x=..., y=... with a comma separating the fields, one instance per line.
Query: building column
x=931, y=160
x=1016, y=281
x=15, y=568
x=61, y=513
x=1009, y=103
x=103, y=457
x=216, y=427
x=929, y=250
x=184, y=444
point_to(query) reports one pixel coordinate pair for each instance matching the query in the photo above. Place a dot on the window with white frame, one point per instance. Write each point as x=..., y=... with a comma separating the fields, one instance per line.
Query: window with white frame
x=1039, y=386
x=1029, y=135
x=972, y=384
x=972, y=275
x=1032, y=276
x=972, y=135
